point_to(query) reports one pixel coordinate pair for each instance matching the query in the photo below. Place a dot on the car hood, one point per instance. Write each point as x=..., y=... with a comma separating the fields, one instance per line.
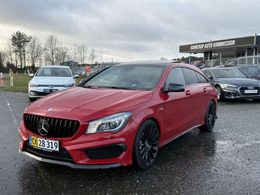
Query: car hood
x=52, y=80
x=244, y=82
x=87, y=104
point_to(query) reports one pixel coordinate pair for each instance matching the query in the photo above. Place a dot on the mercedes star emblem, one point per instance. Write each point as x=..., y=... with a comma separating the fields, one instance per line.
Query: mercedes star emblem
x=43, y=127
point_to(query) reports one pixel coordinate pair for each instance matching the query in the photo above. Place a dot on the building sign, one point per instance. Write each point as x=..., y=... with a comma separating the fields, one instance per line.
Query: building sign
x=218, y=45
x=213, y=45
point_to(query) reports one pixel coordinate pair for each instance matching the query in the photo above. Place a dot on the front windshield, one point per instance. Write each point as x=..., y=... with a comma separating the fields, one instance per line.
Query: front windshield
x=54, y=72
x=135, y=77
x=228, y=73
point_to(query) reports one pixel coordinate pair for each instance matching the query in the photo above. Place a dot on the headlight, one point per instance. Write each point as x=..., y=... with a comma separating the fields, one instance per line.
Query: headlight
x=69, y=85
x=33, y=85
x=228, y=86
x=110, y=123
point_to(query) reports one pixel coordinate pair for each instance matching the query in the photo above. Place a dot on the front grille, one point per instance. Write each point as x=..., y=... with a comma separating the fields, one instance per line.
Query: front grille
x=242, y=90
x=58, y=128
x=62, y=155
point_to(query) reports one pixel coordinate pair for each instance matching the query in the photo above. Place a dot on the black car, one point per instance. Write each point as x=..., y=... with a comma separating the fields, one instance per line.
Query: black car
x=230, y=83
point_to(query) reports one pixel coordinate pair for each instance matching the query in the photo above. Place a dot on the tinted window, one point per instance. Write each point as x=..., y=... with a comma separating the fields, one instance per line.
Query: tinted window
x=201, y=78
x=139, y=77
x=175, y=76
x=190, y=76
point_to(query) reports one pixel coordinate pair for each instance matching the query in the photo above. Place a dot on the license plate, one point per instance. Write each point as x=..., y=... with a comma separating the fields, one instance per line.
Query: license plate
x=44, y=144
x=250, y=91
x=50, y=90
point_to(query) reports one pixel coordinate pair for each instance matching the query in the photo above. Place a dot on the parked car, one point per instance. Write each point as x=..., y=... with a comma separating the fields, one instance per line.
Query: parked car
x=212, y=63
x=49, y=79
x=124, y=114
x=232, y=84
x=198, y=63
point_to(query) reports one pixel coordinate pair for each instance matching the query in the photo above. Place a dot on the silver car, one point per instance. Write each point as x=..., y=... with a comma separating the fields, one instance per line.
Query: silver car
x=50, y=79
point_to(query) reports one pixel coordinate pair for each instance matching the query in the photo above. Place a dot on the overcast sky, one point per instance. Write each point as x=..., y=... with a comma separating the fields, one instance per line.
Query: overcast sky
x=130, y=29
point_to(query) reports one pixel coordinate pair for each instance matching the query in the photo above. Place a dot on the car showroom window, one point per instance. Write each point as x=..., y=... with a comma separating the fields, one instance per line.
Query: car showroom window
x=201, y=78
x=175, y=76
x=190, y=76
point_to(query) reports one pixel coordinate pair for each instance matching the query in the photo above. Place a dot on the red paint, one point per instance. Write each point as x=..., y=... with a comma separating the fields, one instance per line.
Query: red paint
x=175, y=113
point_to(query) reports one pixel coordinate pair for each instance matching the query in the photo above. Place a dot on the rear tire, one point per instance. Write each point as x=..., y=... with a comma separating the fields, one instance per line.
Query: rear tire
x=210, y=118
x=146, y=144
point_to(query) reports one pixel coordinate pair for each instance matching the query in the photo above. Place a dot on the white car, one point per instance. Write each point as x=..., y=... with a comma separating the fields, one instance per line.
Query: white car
x=50, y=79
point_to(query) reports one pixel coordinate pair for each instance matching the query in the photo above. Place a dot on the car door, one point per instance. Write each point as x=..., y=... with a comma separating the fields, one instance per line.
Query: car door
x=194, y=91
x=176, y=106
x=204, y=87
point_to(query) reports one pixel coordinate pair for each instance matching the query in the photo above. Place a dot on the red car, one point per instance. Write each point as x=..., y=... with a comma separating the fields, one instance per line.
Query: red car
x=121, y=115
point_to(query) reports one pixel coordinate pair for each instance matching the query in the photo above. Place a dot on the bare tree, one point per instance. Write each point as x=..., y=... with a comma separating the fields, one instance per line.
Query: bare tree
x=61, y=55
x=35, y=50
x=82, y=52
x=9, y=53
x=92, y=55
x=50, y=49
x=2, y=59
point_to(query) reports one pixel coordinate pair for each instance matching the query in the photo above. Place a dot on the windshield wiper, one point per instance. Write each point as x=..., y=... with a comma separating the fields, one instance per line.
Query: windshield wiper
x=90, y=86
x=116, y=87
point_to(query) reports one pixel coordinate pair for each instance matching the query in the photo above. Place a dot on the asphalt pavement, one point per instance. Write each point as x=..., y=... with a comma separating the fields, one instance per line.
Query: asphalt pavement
x=226, y=161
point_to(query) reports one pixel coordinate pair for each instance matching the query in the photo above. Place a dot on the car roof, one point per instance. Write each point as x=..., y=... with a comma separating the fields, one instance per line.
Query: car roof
x=218, y=68
x=157, y=63
x=146, y=62
x=54, y=66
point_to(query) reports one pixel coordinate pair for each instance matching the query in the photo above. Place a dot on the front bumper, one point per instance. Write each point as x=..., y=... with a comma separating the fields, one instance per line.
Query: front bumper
x=93, y=151
x=239, y=94
x=69, y=164
x=37, y=92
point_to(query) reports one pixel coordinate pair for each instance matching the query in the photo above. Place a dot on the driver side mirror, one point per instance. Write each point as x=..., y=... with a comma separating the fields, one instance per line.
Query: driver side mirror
x=76, y=76
x=174, y=87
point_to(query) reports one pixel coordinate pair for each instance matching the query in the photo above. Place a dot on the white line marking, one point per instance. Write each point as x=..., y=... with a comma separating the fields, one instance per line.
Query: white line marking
x=10, y=109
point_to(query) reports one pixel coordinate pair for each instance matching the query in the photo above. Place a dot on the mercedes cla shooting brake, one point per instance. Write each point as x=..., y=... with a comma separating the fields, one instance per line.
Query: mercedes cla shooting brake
x=121, y=115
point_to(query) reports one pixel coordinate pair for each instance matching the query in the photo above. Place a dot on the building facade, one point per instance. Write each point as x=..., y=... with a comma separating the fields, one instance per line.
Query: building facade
x=245, y=48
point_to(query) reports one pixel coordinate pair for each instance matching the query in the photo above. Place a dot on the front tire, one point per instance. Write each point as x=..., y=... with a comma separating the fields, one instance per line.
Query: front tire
x=146, y=144
x=210, y=118
x=220, y=93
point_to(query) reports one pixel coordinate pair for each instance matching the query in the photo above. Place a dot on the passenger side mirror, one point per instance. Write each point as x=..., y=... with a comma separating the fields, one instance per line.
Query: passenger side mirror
x=211, y=78
x=174, y=87
x=31, y=75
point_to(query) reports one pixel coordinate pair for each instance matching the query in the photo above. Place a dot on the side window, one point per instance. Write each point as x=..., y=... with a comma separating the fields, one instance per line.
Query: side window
x=190, y=76
x=207, y=73
x=175, y=76
x=201, y=78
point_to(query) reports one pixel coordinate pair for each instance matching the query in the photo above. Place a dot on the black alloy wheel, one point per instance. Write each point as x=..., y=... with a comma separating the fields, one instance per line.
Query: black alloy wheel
x=146, y=144
x=210, y=118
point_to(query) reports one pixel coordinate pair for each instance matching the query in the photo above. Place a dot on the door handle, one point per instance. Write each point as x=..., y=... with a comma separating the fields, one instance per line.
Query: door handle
x=205, y=90
x=188, y=92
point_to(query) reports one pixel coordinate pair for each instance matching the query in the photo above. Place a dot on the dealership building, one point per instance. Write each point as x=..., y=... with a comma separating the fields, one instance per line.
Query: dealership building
x=245, y=48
